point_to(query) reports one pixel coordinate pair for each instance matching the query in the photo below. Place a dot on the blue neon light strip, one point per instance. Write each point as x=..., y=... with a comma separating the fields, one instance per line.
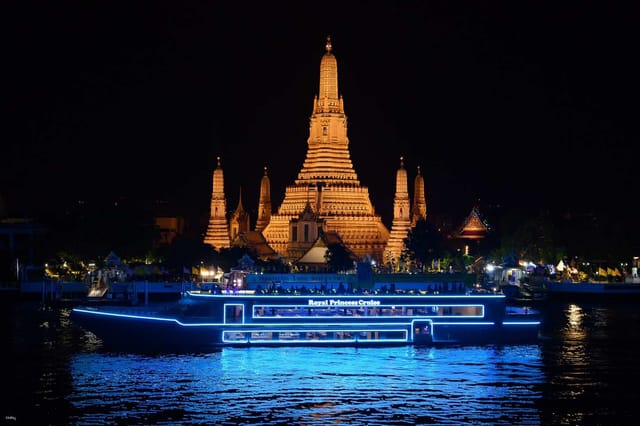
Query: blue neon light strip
x=303, y=324
x=464, y=323
x=423, y=305
x=323, y=324
x=347, y=296
x=486, y=323
x=150, y=318
x=300, y=324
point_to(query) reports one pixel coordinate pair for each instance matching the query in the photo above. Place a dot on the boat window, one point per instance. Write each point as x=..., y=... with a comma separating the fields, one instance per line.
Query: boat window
x=288, y=311
x=233, y=313
x=314, y=336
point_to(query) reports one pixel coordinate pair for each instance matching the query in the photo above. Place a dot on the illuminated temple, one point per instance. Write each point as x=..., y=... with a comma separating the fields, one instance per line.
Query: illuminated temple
x=404, y=216
x=326, y=202
x=328, y=181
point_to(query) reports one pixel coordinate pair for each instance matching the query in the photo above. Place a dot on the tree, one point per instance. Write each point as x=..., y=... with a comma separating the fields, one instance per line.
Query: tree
x=339, y=258
x=92, y=231
x=530, y=239
x=187, y=252
x=423, y=244
x=274, y=265
x=229, y=257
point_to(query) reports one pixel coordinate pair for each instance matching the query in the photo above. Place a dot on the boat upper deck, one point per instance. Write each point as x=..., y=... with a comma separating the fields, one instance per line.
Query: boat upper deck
x=255, y=308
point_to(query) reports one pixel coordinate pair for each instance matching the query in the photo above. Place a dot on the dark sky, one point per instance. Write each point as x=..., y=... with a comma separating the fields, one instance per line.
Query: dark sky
x=513, y=103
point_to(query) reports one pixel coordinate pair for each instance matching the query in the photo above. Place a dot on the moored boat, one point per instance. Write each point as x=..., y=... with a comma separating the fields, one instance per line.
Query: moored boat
x=205, y=321
x=524, y=295
x=599, y=290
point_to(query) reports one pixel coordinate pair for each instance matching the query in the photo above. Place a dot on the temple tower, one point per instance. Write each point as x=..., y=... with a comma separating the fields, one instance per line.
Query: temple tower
x=264, y=205
x=401, y=218
x=419, y=208
x=239, y=221
x=327, y=178
x=218, y=230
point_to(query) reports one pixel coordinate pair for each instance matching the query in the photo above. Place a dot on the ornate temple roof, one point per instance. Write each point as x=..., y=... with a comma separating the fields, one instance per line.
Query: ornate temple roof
x=258, y=244
x=473, y=227
x=317, y=252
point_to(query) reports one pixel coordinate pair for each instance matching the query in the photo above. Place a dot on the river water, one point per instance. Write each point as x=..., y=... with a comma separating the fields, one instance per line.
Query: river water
x=585, y=370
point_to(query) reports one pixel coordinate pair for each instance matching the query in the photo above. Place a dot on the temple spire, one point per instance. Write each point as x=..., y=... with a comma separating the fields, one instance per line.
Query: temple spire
x=401, y=184
x=264, y=204
x=328, y=77
x=401, y=219
x=218, y=229
x=239, y=222
x=240, y=208
x=419, y=208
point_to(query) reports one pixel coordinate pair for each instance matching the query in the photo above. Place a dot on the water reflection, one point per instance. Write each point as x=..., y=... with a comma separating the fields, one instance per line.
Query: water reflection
x=402, y=385
x=589, y=359
x=584, y=371
x=574, y=319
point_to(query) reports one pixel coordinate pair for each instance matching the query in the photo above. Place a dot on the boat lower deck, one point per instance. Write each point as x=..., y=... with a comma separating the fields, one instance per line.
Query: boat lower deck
x=138, y=328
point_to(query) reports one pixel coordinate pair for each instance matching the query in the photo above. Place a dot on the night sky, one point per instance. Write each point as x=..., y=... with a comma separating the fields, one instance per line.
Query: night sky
x=525, y=104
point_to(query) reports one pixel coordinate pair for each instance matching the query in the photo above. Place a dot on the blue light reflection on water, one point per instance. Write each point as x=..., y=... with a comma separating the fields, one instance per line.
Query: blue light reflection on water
x=584, y=371
x=310, y=385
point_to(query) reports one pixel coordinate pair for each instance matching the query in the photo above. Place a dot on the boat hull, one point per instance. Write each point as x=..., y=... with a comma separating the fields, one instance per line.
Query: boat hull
x=120, y=328
x=594, y=291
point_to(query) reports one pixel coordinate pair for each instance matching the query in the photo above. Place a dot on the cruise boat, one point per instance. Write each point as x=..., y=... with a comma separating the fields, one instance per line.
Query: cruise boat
x=205, y=321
